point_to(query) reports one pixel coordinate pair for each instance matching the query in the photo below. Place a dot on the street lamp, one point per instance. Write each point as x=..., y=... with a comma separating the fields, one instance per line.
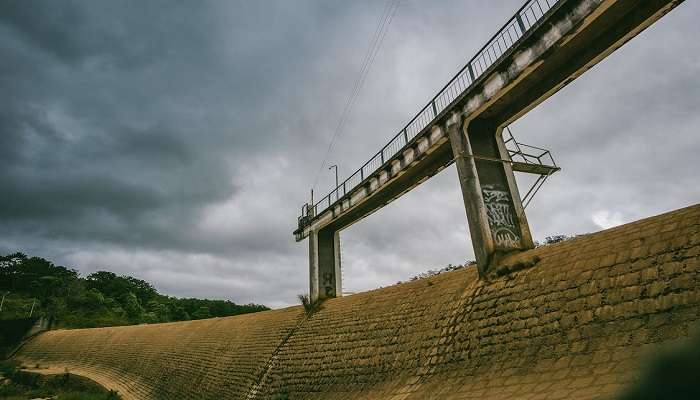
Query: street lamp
x=3, y=299
x=336, y=179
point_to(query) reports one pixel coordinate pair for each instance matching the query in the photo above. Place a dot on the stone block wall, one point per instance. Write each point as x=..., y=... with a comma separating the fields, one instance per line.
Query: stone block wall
x=218, y=358
x=572, y=320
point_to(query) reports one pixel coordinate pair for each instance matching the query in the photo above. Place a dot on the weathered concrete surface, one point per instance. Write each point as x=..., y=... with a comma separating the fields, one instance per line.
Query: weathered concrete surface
x=495, y=213
x=574, y=325
x=325, y=278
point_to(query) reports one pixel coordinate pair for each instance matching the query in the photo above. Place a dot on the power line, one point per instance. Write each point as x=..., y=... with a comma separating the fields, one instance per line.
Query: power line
x=390, y=8
x=356, y=86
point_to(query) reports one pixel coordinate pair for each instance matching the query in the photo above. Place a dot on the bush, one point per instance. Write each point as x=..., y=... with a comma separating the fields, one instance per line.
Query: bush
x=8, y=368
x=25, y=385
x=309, y=307
x=434, y=272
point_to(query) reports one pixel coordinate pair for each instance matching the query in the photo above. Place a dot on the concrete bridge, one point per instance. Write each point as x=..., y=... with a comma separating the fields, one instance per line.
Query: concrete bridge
x=543, y=47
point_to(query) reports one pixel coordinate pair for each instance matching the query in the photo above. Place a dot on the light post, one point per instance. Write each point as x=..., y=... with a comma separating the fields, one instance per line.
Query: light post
x=3, y=299
x=336, y=180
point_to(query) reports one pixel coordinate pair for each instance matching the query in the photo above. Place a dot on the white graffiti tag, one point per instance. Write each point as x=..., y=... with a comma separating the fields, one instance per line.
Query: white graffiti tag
x=501, y=217
x=495, y=196
x=506, y=238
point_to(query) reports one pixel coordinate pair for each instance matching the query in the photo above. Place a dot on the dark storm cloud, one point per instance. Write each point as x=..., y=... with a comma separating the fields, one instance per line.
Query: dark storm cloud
x=136, y=133
x=176, y=141
x=76, y=32
x=96, y=124
x=44, y=26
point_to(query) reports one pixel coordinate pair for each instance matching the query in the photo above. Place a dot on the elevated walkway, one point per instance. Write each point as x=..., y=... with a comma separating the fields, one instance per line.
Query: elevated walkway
x=543, y=47
x=571, y=320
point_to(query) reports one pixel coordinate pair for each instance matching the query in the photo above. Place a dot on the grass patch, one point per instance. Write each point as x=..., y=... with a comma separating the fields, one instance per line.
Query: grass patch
x=310, y=307
x=16, y=384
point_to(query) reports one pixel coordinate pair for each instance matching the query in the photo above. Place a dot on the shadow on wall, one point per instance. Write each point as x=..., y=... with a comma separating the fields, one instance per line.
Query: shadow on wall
x=14, y=331
x=17, y=384
x=673, y=374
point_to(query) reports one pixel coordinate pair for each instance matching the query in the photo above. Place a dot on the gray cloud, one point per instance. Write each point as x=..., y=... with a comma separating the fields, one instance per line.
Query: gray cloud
x=177, y=141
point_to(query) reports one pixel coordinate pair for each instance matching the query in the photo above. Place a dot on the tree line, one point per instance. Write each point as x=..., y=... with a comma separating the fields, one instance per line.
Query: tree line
x=102, y=298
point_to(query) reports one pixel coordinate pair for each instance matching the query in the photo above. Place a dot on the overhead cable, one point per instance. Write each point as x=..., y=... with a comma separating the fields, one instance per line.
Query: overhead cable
x=390, y=8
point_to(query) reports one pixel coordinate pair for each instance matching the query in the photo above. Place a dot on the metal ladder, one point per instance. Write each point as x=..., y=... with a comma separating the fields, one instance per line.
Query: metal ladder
x=530, y=160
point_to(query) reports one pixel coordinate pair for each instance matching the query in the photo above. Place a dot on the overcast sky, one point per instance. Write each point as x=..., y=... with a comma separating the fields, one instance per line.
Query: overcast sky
x=177, y=141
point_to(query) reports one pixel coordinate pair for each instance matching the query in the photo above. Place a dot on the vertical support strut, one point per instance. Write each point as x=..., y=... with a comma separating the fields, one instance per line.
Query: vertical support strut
x=497, y=223
x=324, y=264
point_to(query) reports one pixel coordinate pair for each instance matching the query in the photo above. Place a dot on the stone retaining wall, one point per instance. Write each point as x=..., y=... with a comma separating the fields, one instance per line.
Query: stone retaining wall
x=567, y=321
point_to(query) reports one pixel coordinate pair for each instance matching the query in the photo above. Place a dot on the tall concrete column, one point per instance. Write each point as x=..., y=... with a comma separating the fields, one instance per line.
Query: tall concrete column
x=497, y=222
x=324, y=264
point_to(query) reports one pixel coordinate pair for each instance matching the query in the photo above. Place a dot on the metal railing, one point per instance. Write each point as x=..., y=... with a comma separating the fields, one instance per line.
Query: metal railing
x=533, y=155
x=526, y=153
x=532, y=12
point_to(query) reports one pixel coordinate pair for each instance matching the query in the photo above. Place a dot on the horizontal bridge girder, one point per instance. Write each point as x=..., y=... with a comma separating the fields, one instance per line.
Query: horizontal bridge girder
x=403, y=172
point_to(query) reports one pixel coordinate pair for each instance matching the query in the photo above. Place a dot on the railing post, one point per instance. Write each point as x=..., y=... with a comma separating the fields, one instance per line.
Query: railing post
x=405, y=137
x=362, y=176
x=381, y=154
x=471, y=71
x=520, y=24
x=434, y=108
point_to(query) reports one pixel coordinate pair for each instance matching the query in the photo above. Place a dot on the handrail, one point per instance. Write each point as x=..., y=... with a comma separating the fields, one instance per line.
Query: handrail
x=506, y=38
x=520, y=151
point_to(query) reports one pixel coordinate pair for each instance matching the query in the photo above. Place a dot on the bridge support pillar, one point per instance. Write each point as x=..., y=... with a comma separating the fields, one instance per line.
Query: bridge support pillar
x=324, y=264
x=497, y=222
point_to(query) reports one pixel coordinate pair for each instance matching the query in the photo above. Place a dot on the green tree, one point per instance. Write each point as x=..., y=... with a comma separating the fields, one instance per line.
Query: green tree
x=102, y=298
x=201, y=313
x=130, y=304
x=179, y=314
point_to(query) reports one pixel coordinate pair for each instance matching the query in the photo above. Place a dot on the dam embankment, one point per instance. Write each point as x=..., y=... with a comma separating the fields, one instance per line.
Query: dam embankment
x=572, y=320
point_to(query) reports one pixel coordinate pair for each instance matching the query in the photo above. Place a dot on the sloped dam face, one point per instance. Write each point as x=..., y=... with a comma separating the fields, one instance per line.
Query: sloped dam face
x=572, y=320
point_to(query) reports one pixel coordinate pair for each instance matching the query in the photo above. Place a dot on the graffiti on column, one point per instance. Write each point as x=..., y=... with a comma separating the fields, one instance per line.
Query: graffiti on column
x=328, y=284
x=501, y=216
